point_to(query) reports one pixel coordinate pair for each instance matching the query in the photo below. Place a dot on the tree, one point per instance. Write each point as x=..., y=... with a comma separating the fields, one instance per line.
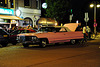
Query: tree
x=58, y=9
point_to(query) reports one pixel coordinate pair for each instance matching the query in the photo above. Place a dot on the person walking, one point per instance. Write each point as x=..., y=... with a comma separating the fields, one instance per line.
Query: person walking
x=84, y=32
x=88, y=30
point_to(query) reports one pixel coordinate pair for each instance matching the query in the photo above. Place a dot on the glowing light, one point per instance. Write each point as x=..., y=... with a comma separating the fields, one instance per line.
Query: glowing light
x=6, y=11
x=91, y=5
x=56, y=24
x=98, y=5
x=77, y=21
x=44, y=5
x=18, y=12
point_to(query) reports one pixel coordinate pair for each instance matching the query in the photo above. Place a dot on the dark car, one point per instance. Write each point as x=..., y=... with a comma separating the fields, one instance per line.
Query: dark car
x=13, y=35
x=4, y=37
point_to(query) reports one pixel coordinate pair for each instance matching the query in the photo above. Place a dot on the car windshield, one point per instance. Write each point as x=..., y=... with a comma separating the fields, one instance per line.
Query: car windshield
x=23, y=31
x=49, y=29
x=20, y=31
x=3, y=32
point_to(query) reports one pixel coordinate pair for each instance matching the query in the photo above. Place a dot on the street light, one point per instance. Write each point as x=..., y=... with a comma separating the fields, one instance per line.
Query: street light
x=95, y=5
x=98, y=5
x=91, y=5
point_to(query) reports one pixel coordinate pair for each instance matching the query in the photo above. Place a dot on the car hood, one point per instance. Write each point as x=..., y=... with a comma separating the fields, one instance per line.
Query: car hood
x=30, y=34
x=71, y=26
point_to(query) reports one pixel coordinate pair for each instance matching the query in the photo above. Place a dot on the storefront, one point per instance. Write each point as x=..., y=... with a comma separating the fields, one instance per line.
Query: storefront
x=8, y=18
x=30, y=16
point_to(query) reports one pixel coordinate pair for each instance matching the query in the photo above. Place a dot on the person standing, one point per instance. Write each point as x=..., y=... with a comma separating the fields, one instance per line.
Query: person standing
x=84, y=32
x=79, y=28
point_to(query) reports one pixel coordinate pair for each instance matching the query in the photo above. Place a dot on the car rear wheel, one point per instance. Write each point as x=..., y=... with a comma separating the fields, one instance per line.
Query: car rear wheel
x=43, y=43
x=26, y=45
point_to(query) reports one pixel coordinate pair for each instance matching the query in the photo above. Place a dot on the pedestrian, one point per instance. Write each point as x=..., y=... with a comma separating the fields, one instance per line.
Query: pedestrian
x=79, y=28
x=84, y=32
x=88, y=30
x=14, y=28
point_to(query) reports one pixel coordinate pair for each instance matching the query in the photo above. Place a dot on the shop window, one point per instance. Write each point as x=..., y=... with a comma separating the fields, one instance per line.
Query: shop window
x=38, y=4
x=11, y=4
x=5, y=5
x=2, y=2
x=27, y=3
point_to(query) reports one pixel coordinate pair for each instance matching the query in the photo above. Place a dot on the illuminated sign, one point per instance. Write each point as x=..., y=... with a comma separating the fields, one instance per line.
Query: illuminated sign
x=6, y=11
x=44, y=5
x=18, y=12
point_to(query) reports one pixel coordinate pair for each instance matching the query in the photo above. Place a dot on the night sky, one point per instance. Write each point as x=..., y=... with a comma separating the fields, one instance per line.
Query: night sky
x=78, y=3
x=81, y=3
x=83, y=6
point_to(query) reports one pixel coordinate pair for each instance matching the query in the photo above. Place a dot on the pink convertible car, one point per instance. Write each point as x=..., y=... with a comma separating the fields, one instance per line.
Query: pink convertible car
x=50, y=34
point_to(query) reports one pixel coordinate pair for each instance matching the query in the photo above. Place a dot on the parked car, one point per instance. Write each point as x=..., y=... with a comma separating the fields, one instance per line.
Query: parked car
x=4, y=37
x=13, y=35
x=47, y=35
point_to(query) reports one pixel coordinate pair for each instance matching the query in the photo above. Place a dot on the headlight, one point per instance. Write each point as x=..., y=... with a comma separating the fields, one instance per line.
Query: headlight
x=34, y=38
x=18, y=37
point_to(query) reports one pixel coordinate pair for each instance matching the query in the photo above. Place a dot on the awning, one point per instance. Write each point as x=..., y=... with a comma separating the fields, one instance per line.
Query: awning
x=10, y=17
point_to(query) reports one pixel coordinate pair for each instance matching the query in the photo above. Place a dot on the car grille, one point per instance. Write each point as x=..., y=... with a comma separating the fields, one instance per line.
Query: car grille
x=28, y=38
x=22, y=38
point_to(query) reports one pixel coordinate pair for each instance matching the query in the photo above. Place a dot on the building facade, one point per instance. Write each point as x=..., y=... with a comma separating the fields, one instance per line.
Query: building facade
x=28, y=10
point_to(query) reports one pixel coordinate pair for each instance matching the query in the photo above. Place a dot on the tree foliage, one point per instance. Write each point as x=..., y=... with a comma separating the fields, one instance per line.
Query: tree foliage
x=58, y=9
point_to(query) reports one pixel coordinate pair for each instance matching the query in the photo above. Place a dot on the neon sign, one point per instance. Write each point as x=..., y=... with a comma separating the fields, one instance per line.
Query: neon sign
x=6, y=11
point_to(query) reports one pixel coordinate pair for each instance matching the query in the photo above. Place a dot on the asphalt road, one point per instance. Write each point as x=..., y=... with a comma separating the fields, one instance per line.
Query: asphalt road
x=63, y=55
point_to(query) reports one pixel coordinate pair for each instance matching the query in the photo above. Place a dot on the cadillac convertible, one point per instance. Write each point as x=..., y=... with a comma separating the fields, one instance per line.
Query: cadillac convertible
x=50, y=34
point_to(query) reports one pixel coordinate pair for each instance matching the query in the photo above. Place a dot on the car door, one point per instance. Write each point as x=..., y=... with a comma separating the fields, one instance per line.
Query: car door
x=60, y=35
x=57, y=35
x=73, y=35
x=68, y=34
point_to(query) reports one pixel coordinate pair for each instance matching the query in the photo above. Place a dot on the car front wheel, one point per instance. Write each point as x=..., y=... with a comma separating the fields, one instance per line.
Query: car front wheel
x=72, y=42
x=43, y=43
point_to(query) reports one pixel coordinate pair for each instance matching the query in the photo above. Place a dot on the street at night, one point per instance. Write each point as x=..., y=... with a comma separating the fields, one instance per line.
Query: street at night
x=49, y=33
x=62, y=55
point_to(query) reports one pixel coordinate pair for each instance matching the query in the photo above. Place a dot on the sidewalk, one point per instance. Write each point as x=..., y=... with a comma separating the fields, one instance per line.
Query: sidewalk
x=96, y=36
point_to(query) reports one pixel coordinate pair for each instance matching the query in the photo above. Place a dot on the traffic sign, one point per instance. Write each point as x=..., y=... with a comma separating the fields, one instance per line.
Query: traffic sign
x=86, y=19
x=86, y=15
x=70, y=17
